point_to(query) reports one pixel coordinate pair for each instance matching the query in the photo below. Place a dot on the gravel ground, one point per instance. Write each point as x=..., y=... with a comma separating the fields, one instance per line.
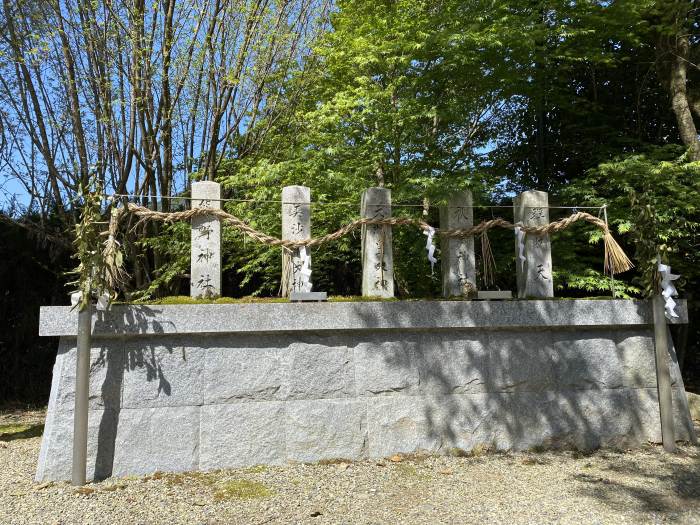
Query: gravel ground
x=641, y=486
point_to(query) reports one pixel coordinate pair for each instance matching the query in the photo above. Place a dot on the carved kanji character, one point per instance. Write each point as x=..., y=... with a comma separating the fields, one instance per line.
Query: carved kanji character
x=205, y=231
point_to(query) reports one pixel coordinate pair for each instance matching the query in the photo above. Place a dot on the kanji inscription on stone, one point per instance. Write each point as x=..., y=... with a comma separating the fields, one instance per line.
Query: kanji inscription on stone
x=534, y=275
x=457, y=254
x=205, y=260
x=377, y=254
x=296, y=225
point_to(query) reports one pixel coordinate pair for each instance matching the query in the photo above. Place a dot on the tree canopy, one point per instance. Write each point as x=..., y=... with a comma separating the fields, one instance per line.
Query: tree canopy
x=594, y=101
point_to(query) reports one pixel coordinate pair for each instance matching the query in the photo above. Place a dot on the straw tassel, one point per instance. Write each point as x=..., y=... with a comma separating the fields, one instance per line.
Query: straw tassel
x=616, y=261
x=287, y=275
x=115, y=274
x=487, y=259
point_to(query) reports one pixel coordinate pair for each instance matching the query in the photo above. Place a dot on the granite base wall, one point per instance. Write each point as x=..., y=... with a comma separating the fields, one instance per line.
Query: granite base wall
x=204, y=401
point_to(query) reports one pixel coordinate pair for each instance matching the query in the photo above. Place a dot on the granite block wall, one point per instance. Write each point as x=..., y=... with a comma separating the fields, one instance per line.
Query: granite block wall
x=203, y=401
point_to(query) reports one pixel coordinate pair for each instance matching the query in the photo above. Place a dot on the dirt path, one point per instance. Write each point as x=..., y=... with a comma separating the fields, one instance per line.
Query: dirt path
x=642, y=486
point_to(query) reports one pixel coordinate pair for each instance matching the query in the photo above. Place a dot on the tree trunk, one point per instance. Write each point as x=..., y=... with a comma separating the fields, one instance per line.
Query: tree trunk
x=679, y=99
x=672, y=59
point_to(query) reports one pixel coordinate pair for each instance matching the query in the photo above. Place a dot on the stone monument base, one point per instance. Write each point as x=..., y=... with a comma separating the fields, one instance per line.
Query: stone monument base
x=203, y=387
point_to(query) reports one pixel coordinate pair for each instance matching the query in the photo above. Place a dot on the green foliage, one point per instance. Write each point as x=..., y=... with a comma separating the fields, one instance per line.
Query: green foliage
x=589, y=281
x=586, y=91
x=91, y=269
x=392, y=98
x=656, y=197
x=426, y=98
x=172, y=247
x=395, y=101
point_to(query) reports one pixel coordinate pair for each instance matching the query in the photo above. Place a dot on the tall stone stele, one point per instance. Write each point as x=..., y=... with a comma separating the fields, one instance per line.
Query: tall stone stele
x=457, y=254
x=377, y=255
x=534, y=274
x=205, y=262
x=296, y=225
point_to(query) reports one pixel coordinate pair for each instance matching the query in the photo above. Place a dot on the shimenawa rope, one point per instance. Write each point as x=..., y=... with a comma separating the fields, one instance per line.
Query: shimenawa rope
x=616, y=261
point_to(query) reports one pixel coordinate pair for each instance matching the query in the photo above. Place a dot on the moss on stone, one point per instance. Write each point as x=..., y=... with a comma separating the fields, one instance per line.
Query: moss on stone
x=185, y=299
x=364, y=299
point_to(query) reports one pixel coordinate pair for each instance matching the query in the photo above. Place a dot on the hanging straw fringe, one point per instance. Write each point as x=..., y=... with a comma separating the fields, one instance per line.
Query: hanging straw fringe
x=487, y=259
x=615, y=261
x=287, y=272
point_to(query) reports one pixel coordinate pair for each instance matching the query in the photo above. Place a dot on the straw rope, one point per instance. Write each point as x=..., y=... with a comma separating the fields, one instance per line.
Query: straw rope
x=616, y=261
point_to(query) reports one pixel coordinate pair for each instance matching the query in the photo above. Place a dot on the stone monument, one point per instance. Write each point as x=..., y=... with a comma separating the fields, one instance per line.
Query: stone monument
x=296, y=225
x=205, y=260
x=534, y=273
x=377, y=255
x=457, y=254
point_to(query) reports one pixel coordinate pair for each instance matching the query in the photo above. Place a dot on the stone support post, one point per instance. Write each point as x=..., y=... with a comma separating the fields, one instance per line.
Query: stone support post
x=296, y=225
x=377, y=256
x=534, y=274
x=457, y=254
x=205, y=262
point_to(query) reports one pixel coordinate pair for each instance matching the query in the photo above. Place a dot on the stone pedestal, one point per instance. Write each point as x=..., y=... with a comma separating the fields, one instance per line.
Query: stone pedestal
x=215, y=386
x=377, y=255
x=205, y=265
x=457, y=254
x=534, y=274
x=296, y=225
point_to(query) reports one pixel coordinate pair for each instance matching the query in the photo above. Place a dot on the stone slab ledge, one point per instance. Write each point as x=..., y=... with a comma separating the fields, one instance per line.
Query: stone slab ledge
x=319, y=317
